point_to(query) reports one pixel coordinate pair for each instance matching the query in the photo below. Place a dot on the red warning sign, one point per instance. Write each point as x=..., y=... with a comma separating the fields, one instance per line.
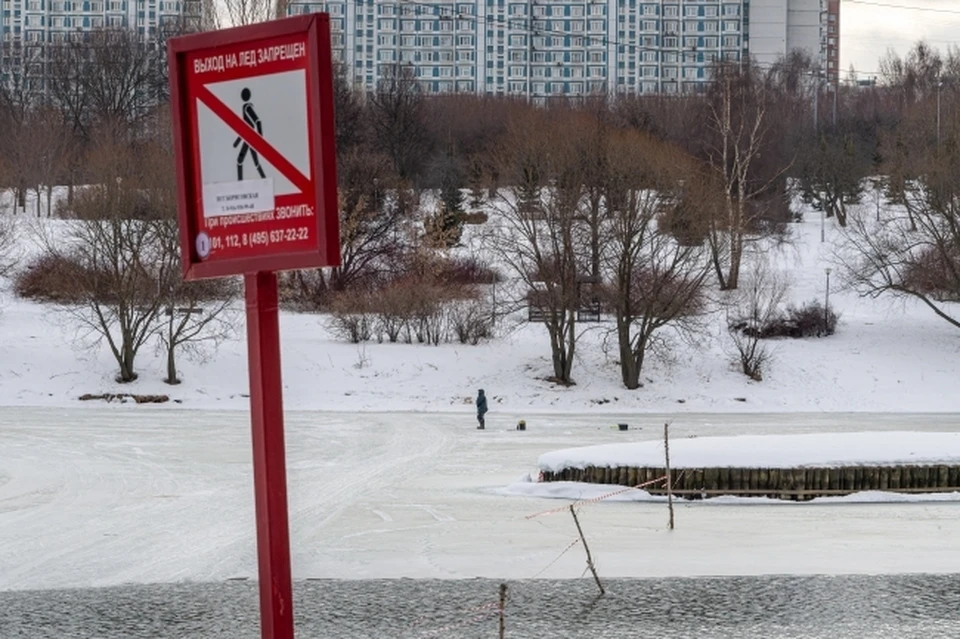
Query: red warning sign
x=253, y=118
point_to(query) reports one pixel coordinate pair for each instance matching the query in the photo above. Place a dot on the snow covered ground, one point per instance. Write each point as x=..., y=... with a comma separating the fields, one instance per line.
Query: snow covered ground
x=885, y=357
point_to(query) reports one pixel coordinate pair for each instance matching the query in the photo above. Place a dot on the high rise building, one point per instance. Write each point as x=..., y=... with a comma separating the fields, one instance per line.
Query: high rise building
x=52, y=20
x=29, y=27
x=832, y=37
x=546, y=48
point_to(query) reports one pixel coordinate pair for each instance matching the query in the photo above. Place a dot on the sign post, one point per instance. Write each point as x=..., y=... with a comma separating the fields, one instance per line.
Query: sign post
x=256, y=175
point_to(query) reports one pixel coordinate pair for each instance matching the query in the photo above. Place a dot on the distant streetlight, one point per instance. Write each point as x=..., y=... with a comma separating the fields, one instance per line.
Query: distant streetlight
x=823, y=224
x=826, y=305
x=816, y=100
x=939, y=86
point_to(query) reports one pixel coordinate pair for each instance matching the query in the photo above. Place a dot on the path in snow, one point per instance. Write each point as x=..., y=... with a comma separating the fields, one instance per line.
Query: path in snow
x=102, y=496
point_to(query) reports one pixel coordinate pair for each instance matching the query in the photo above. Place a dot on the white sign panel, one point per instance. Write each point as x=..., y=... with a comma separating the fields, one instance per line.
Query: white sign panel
x=238, y=198
x=275, y=105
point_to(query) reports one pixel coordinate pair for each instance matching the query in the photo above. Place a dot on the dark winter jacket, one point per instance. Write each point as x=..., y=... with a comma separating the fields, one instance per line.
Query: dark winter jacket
x=481, y=404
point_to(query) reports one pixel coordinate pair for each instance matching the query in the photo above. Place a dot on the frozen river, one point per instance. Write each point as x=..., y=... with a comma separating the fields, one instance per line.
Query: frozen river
x=104, y=496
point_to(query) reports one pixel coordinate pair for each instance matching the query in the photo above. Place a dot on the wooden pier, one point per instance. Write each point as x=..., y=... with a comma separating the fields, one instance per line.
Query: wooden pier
x=793, y=484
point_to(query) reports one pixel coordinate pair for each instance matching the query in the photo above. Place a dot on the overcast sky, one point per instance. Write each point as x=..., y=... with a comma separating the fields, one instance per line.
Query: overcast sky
x=868, y=30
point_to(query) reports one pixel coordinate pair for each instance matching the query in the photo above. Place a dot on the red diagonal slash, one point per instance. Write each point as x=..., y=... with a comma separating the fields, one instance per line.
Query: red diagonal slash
x=251, y=137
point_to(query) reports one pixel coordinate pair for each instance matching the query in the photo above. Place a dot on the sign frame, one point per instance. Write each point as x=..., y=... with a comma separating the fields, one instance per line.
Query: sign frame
x=320, y=116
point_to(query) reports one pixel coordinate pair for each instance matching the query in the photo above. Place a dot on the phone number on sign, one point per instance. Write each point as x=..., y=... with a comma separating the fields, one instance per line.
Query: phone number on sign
x=260, y=238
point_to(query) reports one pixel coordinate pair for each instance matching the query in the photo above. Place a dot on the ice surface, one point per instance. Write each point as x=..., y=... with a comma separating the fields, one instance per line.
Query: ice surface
x=123, y=494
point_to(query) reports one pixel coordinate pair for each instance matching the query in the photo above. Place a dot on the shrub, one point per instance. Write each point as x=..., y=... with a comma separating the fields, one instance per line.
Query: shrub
x=931, y=273
x=808, y=320
x=51, y=278
x=470, y=321
x=754, y=357
x=464, y=271
x=427, y=319
x=811, y=319
x=394, y=306
x=685, y=221
x=350, y=318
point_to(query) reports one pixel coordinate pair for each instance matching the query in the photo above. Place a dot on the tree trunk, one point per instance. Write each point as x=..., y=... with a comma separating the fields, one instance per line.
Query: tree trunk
x=717, y=266
x=841, y=214
x=736, y=255
x=830, y=206
x=49, y=201
x=171, y=364
x=127, y=373
x=561, y=347
x=39, y=200
x=595, y=239
x=629, y=372
x=127, y=355
x=639, y=354
x=570, y=346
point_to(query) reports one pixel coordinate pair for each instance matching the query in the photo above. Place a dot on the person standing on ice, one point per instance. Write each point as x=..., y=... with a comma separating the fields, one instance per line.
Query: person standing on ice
x=481, y=408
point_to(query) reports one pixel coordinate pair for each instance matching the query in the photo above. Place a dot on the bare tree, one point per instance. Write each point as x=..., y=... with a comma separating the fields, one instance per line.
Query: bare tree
x=914, y=250
x=116, y=248
x=375, y=228
x=739, y=126
x=656, y=281
x=371, y=219
x=915, y=76
x=752, y=308
x=197, y=315
x=398, y=124
x=48, y=152
x=66, y=83
x=831, y=173
x=8, y=239
x=596, y=159
x=22, y=88
x=20, y=93
x=350, y=123
x=244, y=12
x=541, y=216
x=110, y=76
x=18, y=159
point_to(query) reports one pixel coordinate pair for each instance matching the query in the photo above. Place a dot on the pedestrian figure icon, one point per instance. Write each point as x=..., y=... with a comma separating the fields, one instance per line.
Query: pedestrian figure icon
x=251, y=118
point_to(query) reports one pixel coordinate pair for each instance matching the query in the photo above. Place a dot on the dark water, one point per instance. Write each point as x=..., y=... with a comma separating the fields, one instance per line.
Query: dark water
x=737, y=607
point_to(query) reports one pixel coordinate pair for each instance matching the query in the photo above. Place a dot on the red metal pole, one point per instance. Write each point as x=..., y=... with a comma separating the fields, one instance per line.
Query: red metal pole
x=269, y=463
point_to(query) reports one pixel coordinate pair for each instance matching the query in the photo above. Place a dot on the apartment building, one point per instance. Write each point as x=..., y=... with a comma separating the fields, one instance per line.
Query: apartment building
x=546, y=48
x=53, y=20
x=28, y=27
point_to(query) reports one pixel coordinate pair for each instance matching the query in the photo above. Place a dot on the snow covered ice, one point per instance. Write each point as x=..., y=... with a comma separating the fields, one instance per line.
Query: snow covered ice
x=769, y=451
x=94, y=497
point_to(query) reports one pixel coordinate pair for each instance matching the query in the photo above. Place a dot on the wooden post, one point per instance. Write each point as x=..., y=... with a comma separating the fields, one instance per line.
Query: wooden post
x=587, y=550
x=503, y=605
x=666, y=451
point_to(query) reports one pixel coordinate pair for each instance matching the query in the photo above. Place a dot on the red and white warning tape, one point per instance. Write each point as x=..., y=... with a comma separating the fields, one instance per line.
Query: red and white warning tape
x=600, y=498
x=562, y=553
